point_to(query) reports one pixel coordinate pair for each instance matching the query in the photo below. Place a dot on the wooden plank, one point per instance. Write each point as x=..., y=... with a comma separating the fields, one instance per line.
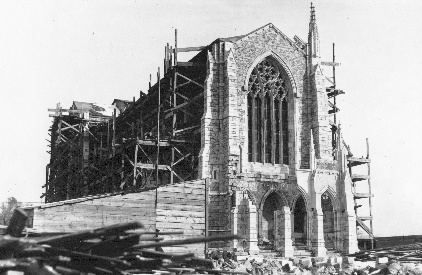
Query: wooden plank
x=186, y=220
x=74, y=225
x=166, y=225
x=189, y=49
x=358, y=160
x=365, y=218
x=183, y=208
x=356, y=177
x=196, y=249
x=166, y=195
x=186, y=235
x=189, y=191
x=110, y=210
x=362, y=195
x=179, y=213
x=183, y=186
x=179, y=201
x=324, y=63
x=153, y=143
x=140, y=199
x=364, y=226
x=190, y=64
x=17, y=223
x=124, y=204
x=152, y=166
x=187, y=128
x=192, y=182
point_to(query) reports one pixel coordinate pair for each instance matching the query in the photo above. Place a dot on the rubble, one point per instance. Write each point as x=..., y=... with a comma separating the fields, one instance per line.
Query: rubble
x=120, y=249
x=333, y=265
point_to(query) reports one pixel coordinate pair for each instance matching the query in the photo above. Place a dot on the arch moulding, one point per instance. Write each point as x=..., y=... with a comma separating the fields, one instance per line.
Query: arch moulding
x=269, y=192
x=305, y=197
x=283, y=64
x=333, y=196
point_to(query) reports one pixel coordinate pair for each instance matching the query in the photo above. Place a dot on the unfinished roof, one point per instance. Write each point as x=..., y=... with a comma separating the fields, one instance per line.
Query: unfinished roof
x=94, y=109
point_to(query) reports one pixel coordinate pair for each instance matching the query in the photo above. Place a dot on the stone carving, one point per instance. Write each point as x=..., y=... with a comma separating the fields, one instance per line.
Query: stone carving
x=326, y=165
x=266, y=78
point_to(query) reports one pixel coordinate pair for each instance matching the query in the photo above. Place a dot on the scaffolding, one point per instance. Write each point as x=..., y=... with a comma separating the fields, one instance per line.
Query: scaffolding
x=332, y=93
x=154, y=141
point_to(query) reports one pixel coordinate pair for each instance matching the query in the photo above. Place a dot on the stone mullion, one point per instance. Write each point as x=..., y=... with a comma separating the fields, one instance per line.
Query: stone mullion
x=254, y=130
x=273, y=134
x=280, y=129
x=263, y=129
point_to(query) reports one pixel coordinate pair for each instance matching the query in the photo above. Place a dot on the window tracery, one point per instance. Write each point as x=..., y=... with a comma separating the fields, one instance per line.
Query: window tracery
x=267, y=114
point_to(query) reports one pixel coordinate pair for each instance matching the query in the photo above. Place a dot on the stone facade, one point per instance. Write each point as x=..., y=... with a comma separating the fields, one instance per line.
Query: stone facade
x=261, y=200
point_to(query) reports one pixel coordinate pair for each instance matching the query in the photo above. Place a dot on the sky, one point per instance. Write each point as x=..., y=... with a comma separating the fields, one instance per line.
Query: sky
x=96, y=51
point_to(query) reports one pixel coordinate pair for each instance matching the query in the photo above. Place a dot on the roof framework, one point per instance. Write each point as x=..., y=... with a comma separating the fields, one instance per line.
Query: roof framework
x=154, y=141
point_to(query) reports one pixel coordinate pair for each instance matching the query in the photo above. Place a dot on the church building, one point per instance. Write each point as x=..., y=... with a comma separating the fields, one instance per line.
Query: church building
x=275, y=157
x=242, y=139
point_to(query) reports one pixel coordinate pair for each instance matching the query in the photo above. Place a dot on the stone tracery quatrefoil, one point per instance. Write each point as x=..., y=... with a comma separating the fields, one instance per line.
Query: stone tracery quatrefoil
x=267, y=78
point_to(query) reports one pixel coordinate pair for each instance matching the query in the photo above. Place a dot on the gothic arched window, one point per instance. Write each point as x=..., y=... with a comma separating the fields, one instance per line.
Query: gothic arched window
x=267, y=114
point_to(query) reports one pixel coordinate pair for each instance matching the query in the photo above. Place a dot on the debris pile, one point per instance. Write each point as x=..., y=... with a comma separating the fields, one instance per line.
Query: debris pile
x=334, y=265
x=408, y=253
x=116, y=249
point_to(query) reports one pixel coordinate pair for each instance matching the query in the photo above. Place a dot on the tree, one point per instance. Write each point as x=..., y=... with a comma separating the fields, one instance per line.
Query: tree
x=7, y=209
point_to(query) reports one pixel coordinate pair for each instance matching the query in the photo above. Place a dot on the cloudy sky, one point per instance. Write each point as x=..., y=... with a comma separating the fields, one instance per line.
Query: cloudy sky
x=96, y=51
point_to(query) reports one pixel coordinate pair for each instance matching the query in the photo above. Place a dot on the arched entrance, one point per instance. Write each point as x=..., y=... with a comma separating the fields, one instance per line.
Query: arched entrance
x=271, y=204
x=328, y=221
x=300, y=221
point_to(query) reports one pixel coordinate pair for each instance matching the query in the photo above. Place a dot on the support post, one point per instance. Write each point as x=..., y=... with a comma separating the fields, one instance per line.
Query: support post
x=113, y=146
x=318, y=242
x=175, y=47
x=207, y=183
x=135, y=162
x=370, y=192
x=158, y=138
x=243, y=223
x=173, y=128
x=158, y=126
x=283, y=232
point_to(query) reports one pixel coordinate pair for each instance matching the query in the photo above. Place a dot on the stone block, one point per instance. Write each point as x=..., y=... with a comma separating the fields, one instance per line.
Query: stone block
x=240, y=253
x=337, y=260
x=381, y=262
x=394, y=268
x=348, y=260
x=296, y=261
x=337, y=265
x=257, y=259
x=240, y=257
x=320, y=259
x=306, y=262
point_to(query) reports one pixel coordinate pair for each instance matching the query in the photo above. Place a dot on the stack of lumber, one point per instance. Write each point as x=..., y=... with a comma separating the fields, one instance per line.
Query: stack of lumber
x=404, y=253
x=118, y=249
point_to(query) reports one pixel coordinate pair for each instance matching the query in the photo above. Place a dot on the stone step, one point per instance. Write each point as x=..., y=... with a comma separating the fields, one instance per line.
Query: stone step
x=302, y=253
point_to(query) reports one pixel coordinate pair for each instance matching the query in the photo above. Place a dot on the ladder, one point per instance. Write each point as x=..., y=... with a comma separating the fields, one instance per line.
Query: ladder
x=359, y=197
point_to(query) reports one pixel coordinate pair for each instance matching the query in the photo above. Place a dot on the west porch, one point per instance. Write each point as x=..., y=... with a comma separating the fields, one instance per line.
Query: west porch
x=284, y=222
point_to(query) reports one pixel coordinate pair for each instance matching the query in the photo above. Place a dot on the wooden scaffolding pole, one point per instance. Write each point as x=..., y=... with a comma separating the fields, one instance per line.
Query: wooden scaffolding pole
x=370, y=193
x=158, y=137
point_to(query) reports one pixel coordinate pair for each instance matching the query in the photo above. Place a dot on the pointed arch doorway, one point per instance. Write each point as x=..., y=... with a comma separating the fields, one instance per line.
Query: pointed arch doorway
x=269, y=206
x=300, y=219
x=328, y=220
